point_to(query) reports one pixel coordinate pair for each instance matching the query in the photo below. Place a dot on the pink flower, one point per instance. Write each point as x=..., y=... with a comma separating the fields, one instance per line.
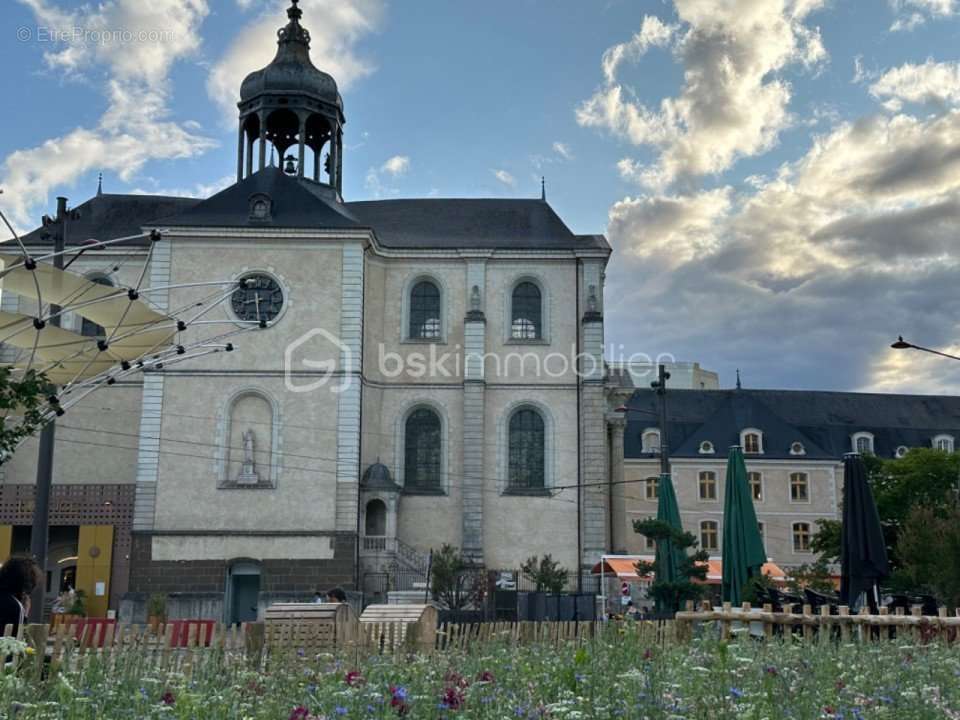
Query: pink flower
x=354, y=678
x=167, y=698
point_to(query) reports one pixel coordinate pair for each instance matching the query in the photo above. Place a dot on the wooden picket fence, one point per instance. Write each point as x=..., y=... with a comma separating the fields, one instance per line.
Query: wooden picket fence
x=801, y=622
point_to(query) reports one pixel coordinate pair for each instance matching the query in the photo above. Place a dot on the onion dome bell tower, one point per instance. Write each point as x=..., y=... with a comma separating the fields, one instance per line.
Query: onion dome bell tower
x=295, y=109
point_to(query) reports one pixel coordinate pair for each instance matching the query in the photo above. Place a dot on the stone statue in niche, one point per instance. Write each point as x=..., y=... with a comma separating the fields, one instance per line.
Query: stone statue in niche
x=475, y=299
x=248, y=471
x=592, y=305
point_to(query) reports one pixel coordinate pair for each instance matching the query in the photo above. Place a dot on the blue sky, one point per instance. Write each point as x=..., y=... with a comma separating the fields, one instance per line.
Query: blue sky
x=779, y=178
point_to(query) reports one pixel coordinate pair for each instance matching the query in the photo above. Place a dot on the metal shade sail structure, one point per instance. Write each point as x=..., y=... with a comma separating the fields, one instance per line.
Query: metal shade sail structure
x=668, y=556
x=863, y=550
x=743, y=552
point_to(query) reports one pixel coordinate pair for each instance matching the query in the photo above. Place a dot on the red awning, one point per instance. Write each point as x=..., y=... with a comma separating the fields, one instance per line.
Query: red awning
x=625, y=569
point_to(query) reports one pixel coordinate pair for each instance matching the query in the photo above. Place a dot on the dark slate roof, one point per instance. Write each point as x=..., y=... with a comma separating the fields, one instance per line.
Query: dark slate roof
x=106, y=217
x=470, y=224
x=447, y=224
x=377, y=477
x=293, y=205
x=822, y=421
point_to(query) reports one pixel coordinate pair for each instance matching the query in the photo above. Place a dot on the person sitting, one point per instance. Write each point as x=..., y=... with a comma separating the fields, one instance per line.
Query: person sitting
x=336, y=595
x=318, y=597
x=18, y=578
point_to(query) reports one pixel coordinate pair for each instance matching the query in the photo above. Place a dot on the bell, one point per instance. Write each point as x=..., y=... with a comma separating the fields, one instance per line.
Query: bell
x=290, y=165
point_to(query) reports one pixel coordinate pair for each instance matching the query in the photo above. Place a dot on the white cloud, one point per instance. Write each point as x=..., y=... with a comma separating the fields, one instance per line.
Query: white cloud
x=913, y=13
x=198, y=190
x=653, y=33
x=336, y=26
x=393, y=167
x=563, y=150
x=397, y=165
x=732, y=104
x=930, y=82
x=505, y=177
x=817, y=266
x=135, y=127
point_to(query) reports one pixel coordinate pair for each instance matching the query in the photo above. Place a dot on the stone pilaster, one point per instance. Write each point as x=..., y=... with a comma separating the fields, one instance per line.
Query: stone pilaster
x=619, y=527
x=348, y=407
x=474, y=391
x=151, y=406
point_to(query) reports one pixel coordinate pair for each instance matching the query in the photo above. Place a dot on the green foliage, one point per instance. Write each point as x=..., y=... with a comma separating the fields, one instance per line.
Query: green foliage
x=545, y=573
x=455, y=582
x=21, y=408
x=622, y=673
x=157, y=605
x=928, y=547
x=923, y=477
x=755, y=591
x=674, y=595
x=79, y=606
x=815, y=576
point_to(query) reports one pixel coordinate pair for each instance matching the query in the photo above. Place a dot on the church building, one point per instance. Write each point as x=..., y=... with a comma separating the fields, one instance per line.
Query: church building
x=425, y=372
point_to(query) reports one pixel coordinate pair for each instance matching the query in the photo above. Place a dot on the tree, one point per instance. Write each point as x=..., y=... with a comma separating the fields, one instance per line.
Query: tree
x=546, y=574
x=923, y=477
x=928, y=547
x=814, y=576
x=455, y=581
x=22, y=401
x=673, y=595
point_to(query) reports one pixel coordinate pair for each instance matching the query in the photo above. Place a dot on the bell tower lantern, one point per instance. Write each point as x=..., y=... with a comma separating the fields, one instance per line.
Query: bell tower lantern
x=294, y=109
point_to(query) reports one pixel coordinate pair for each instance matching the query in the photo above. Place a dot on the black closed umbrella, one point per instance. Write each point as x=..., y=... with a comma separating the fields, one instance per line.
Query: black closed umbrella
x=863, y=552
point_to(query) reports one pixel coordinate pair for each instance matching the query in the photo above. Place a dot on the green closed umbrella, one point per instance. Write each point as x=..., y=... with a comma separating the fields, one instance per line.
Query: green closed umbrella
x=668, y=556
x=743, y=552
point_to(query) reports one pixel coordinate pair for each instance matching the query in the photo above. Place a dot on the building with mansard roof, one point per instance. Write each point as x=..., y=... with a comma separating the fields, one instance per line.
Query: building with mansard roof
x=415, y=382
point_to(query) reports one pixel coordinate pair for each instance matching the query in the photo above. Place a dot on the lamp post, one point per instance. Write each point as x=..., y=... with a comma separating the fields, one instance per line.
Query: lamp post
x=902, y=344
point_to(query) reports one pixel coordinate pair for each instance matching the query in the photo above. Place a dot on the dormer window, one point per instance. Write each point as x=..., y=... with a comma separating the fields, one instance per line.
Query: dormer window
x=752, y=441
x=862, y=442
x=944, y=443
x=260, y=207
x=706, y=448
x=650, y=441
x=901, y=451
x=797, y=448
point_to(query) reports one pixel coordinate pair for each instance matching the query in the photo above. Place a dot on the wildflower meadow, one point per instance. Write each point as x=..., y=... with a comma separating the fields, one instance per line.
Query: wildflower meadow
x=615, y=675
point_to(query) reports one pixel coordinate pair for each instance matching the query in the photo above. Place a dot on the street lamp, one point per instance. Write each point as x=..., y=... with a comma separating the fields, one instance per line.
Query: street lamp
x=902, y=344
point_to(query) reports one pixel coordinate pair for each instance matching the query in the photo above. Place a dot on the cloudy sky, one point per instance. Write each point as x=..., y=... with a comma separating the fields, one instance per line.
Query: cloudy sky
x=780, y=179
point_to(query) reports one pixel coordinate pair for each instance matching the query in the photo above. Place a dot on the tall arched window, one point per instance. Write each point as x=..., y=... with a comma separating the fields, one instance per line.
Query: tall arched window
x=423, y=448
x=375, y=524
x=526, y=312
x=89, y=328
x=527, y=451
x=424, y=311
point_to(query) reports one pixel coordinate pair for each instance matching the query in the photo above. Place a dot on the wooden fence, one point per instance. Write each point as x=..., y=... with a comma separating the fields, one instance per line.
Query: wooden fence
x=802, y=621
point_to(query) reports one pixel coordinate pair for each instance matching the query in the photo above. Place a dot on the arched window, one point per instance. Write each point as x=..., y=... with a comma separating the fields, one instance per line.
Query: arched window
x=801, y=537
x=799, y=487
x=709, y=535
x=424, y=311
x=653, y=488
x=944, y=443
x=752, y=441
x=708, y=485
x=89, y=328
x=755, y=480
x=376, y=519
x=650, y=441
x=863, y=442
x=423, y=448
x=527, y=451
x=526, y=314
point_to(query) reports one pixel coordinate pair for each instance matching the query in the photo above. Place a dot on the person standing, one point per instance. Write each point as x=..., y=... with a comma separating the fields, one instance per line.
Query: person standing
x=18, y=578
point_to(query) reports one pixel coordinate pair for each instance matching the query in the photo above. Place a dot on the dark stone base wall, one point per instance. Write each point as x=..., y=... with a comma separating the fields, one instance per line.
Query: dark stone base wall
x=294, y=577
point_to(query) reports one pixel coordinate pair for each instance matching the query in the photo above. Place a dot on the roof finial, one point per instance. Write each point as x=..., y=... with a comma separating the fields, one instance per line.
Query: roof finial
x=272, y=163
x=100, y=185
x=294, y=12
x=543, y=188
x=738, y=379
